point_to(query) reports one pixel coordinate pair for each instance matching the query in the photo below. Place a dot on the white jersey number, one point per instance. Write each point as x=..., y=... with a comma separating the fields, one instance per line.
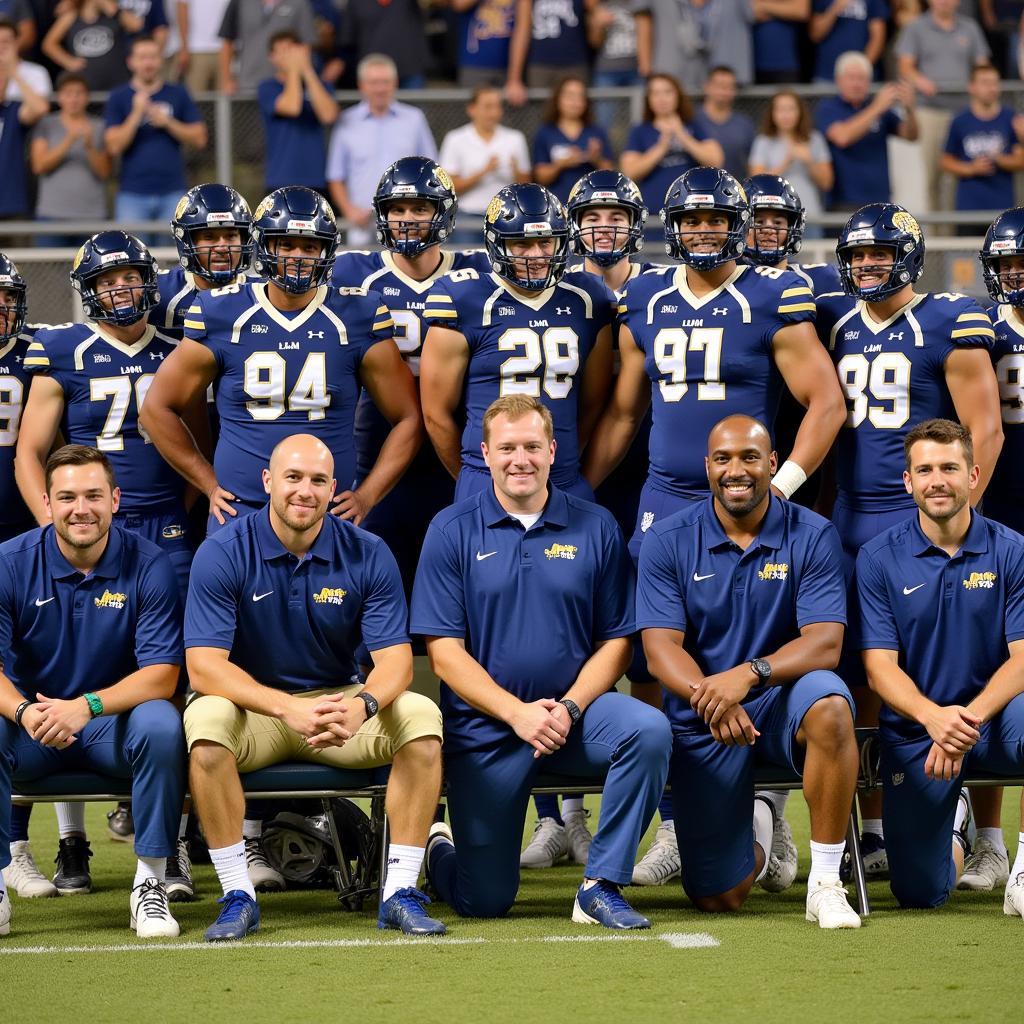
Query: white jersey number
x=670, y=347
x=558, y=349
x=119, y=390
x=1010, y=374
x=408, y=331
x=12, y=393
x=886, y=378
x=265, y=385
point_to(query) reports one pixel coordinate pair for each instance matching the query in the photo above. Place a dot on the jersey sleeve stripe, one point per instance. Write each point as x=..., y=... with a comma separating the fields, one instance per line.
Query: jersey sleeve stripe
x=983, y=317
x=449, y=314
x=383, y=325
x=195, y=325
x=802, y=290
x=439, y=297
x=974, y=332
x=43, y=362
x=382, y=311
x=799, y=307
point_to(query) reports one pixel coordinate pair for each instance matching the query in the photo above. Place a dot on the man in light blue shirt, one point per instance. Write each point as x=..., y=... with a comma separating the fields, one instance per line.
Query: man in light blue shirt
x=367, y=139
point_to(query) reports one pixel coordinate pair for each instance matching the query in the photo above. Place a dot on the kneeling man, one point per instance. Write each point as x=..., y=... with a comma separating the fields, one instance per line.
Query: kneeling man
x=942, y=634
x=278, y=603
x=525, y=596
x=742, y=605
x=90, y=630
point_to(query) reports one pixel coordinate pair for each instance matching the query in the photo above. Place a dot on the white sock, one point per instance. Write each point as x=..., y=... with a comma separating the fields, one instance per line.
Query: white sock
x=872, y=825
x=182, y=825
x=252, y=828
x=777, y=798
x=764, y=826
x=150, y=867
x=70, y=819
x=825, y=861
x=571, y=804
x=1018, y=861
x=994, y=836
x=404, y=863
x=232, y=873
x=961, y=811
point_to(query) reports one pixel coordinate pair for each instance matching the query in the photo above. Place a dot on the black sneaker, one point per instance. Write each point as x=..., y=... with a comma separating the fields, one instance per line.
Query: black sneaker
x=121, y=824
x=179, y=875
x=72, y=863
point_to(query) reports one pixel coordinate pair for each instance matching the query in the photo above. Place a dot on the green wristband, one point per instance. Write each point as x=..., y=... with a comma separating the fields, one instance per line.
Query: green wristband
x=95, y=704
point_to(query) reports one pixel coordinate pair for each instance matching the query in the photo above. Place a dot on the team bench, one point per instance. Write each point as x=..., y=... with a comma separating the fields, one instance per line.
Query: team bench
x=358, y=879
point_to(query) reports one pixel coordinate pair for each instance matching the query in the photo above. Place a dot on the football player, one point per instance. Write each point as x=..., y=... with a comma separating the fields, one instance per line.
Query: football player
x=699, y=341
x=902, y=357
x=526, y=328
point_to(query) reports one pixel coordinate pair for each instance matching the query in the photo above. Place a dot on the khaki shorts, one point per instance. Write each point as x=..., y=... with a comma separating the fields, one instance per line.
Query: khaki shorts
x=258, y=741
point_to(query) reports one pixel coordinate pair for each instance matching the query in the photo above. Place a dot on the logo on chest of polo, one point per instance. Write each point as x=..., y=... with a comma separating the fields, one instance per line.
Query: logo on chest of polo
x=564, y=551
x=110, y=600
x=980, y=581
x=329, y=595
x=774, y=571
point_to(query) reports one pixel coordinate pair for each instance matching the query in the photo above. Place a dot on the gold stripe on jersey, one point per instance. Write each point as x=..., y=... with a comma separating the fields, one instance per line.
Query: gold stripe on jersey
x=439, y=297
x=974, y=316
x=802, y=290
x=972, y=332
x=431, y=310
x=383, y=325
x=36, y=356
x=798, y=307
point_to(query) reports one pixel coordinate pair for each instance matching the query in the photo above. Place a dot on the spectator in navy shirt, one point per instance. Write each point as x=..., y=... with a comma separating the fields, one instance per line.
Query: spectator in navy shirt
x=777, y=26
x=485, y=32
x=857, y=126
x=296, y=108
x=666, y=143
x=549, y=43
x=983, y=148
x=568, y=145
x=841, y=25
x=719, y=120
x=15, y=117
x=148, y=121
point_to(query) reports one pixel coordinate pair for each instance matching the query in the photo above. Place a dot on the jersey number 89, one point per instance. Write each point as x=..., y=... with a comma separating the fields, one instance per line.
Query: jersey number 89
x=1010, y=374
x=887, y=378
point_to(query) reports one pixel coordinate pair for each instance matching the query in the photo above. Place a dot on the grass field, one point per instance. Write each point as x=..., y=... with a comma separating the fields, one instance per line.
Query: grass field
x=73, y=960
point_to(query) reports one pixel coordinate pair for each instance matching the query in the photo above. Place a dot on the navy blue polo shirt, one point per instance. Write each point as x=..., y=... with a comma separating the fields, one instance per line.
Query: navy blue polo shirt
x=951, y=619
x=296, y=150
x=13, y=193
x=862, y=169
x=295, y=624
x=733, y=605
x=532, y=605
x=64, y=633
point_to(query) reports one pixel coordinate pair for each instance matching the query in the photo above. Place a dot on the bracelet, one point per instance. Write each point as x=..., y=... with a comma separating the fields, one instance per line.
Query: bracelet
x=789, y=478
x=20, y=710
x=95, y=704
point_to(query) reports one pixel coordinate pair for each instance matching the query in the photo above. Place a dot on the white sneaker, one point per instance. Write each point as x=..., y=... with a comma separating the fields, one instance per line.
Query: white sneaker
x=150, y=913
x=5, y=913
x=263, y=876
x=23, y=876
x=661, y=862
x=1013, y=898
x=782, y=861
x=986, y=867
x=549, y=845
x=578, y=836
x=827, y=904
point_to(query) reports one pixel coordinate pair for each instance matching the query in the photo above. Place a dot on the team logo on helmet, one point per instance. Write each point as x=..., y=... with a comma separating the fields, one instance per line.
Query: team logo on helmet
x=264, y=207
x=495, y=208
x=79, y=256
x=907, y=222
x=445, y=178
x=179, y=210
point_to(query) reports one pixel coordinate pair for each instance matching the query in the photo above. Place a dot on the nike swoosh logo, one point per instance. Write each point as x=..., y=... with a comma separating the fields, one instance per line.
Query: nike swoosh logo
x=259, y=597
x=480, y=557
x=910, y=590
x=697, y=579
x=40, y=603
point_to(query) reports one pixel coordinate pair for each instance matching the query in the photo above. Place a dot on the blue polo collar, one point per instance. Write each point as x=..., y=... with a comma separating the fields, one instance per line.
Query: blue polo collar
x=770, y=535
x=271, y=548
x=108, y=567
x=975, y=543
x=555, y=513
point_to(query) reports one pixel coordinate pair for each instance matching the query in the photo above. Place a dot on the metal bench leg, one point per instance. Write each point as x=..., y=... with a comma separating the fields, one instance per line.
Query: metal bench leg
x=342, y=875
x=379, y=820
x=857, y=865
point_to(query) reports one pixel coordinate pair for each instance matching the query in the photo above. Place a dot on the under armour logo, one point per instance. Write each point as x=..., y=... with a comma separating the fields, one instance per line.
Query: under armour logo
x=156, y=355
x=563, y=310
x=315, y=334
x=895, y=335
x=720, y=310
x=17, y=359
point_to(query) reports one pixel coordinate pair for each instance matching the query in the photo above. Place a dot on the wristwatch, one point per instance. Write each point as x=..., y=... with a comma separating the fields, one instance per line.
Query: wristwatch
x=761, y=669
x=372, y=707
x=573, y=708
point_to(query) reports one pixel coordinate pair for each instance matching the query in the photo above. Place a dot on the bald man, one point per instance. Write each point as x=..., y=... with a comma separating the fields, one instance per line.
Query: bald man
x=742, y=607
x=278, y=602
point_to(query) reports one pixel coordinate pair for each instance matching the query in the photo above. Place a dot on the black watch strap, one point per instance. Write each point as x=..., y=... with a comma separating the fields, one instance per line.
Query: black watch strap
x=573, y=708
x=761, y=669
x=372, y=707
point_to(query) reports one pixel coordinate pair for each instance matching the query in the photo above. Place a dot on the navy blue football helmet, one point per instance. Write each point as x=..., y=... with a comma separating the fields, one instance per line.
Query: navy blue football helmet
x=606, y=188
x=771, y=192
x=888, y=225
x=12, y=281
x=706, y=188
x=106, y=251
x=213, y=206
x=415, y=177
x=1004, y=238
x=294, y=212
x=526, y=211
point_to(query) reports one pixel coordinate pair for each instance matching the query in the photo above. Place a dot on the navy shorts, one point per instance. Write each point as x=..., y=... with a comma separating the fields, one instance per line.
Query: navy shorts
x=168, y=530
x=713, y=785
x=656, y=504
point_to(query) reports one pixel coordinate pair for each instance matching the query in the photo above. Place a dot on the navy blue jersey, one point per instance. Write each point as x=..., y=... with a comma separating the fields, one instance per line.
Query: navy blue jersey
x=523, y=346
x=14, y=384
x=105, y=383
x=708, y=358
x=951, y=619
x=406, y=299
x=285, y=373
x=177, y=294
x=819, y=277
x=894, y=376
x=1004, y=496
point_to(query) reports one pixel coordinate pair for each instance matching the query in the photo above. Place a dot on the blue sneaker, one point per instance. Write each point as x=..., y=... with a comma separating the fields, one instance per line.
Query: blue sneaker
x=240, y=917
x=404, y=912
x=603, y=904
